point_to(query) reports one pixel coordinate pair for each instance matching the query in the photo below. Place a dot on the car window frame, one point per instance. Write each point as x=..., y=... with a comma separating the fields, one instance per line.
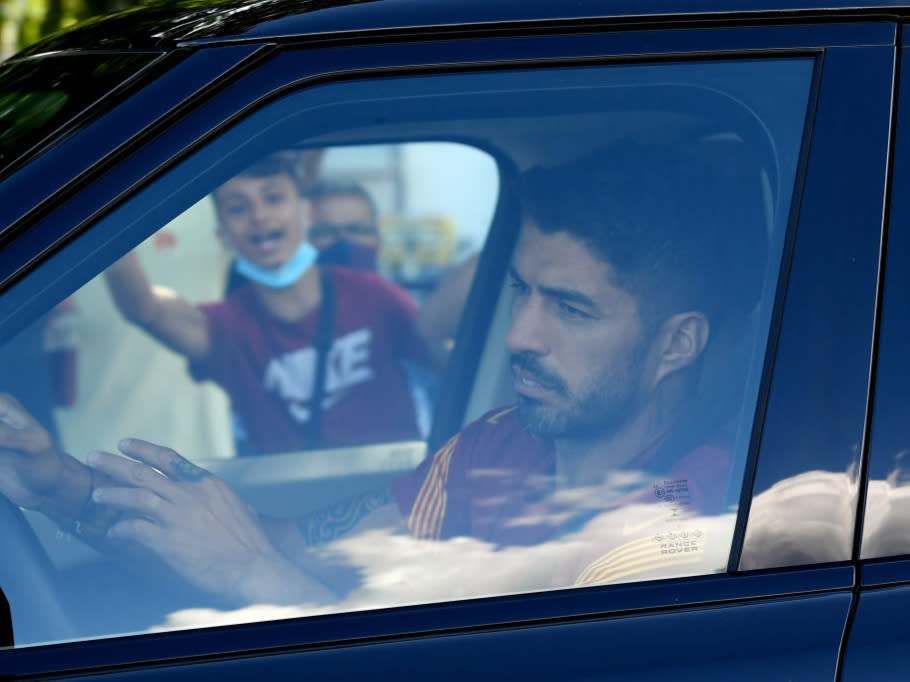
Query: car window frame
x=890, y=363
x=857, y=225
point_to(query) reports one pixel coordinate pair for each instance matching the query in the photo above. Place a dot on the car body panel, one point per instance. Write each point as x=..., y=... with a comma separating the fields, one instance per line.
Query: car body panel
x=634, y=647
x=705, y=597
x=169, y=24
x=45, y=178
x=877, y=650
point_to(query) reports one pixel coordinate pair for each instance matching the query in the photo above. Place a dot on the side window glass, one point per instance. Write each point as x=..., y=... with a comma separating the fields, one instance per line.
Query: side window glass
x=886, y=515
x=562, y=284
x=397, y=216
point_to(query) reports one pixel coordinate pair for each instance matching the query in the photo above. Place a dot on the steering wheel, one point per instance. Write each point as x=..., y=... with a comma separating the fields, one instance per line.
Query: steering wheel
x=28, y=580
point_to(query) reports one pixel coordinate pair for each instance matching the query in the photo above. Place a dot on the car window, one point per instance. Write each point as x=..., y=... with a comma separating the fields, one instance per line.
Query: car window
x=396, y=214
x=408, y=340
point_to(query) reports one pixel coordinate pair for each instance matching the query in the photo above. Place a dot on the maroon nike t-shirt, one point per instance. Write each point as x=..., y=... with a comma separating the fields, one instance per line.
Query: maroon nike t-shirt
x=268, y=365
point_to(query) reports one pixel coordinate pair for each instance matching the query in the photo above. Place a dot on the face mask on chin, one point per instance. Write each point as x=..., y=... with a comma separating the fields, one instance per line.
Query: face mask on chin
x=284, y=275
x=349, y=255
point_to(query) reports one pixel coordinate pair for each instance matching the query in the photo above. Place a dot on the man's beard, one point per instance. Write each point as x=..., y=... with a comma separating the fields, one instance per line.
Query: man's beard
x=603, y=406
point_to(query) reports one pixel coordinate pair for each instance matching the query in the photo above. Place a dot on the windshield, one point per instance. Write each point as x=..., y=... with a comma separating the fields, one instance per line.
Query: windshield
x=37, y=96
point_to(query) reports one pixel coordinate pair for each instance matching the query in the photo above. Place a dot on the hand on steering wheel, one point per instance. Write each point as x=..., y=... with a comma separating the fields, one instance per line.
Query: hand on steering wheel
x=31, y=467
x=193, y=521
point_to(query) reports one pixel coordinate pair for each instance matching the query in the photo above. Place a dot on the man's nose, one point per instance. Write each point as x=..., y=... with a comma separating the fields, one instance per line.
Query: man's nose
x=528, y=331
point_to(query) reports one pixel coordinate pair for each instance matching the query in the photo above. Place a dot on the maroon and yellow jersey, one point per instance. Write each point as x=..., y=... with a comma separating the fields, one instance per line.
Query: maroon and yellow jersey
x=495, y=482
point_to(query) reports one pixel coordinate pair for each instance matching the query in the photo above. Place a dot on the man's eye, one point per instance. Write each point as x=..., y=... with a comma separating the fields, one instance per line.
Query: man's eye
x=518, y=287
x=275, y=198
x=570, y=311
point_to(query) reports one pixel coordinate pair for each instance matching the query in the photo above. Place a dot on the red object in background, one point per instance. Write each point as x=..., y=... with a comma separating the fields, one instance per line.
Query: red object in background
x=164, y=239
x=61, y=343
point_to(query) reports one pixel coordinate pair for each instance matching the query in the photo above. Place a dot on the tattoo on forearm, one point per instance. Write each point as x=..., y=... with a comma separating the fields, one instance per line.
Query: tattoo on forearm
x=333, y=522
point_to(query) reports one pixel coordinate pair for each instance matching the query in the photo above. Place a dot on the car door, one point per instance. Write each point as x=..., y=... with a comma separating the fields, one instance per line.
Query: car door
x=874, y=645
x=777, y=596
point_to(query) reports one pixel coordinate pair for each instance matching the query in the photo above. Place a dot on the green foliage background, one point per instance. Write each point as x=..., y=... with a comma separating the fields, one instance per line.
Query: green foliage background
x=22, y=22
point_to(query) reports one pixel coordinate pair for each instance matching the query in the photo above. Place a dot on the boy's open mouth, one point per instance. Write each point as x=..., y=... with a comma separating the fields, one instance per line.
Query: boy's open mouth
x=266, y=242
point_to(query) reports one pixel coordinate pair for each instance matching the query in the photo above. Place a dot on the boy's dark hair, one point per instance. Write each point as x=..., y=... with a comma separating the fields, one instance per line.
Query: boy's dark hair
x=277, y=163
x=683, y=227
x=332, y=187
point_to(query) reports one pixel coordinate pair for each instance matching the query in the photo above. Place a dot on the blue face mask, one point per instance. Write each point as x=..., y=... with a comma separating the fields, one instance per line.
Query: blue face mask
x=284, y=275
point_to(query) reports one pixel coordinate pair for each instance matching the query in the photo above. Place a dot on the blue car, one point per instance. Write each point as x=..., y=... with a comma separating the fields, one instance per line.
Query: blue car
x=536, y=340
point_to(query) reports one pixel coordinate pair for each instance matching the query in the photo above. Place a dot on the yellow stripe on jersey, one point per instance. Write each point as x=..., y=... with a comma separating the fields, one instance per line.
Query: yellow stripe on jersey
x=425, y=520
x=639, y=556
x=502, y=413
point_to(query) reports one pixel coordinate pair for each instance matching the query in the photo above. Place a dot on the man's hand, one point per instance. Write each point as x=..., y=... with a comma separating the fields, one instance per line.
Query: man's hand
x=31, y=468
x=196, y=524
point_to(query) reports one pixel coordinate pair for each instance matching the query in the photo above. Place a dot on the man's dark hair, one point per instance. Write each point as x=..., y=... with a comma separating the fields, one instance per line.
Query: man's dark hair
x=338, y=187
x=683, y=227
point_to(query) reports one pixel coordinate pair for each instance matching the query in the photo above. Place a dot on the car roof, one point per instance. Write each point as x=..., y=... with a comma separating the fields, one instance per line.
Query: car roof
x=189, y=22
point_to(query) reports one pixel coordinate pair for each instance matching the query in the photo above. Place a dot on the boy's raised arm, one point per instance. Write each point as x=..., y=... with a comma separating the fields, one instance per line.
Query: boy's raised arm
x=161, y=312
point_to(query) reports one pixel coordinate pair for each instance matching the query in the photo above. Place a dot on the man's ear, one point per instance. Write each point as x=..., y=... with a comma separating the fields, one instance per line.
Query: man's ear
x=680, y=341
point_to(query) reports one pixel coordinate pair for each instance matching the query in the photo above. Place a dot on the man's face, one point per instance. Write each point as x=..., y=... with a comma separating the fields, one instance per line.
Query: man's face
x=343, y=216
x=261, y=219
x=576, y=345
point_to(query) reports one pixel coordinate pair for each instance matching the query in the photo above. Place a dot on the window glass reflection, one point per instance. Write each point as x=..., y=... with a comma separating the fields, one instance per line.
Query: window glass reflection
x=608, y=275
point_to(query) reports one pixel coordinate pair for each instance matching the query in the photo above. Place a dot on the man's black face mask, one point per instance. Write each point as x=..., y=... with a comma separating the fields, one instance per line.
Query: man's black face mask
x=349, y=255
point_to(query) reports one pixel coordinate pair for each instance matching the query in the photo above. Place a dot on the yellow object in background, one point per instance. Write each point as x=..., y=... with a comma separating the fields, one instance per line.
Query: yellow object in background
x=417, y=248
